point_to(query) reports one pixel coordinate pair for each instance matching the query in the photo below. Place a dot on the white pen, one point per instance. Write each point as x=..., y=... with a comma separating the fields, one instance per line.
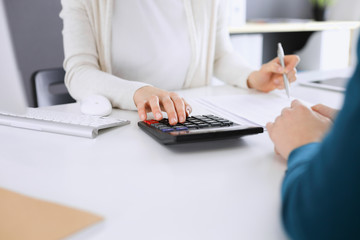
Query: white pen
x=281, y=56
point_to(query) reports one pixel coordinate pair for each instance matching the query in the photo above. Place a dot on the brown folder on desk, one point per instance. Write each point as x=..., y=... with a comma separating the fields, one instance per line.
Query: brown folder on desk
x=23, y=217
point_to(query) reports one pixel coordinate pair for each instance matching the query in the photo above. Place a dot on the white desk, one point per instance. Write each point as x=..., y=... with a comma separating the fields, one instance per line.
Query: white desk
x=217, y=190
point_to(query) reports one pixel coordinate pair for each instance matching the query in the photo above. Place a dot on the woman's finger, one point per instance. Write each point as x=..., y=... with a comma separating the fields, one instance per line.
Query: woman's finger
x=325, y=111
x=142, y=111
x=188, y=108
x=273, y=66
x=280, y=83
x=292, y=76
x=269, y=127
x=179, y=106
x=170, y=110
x=155, y=107
x=276, y=151
x=295, y=103
x=291, y=61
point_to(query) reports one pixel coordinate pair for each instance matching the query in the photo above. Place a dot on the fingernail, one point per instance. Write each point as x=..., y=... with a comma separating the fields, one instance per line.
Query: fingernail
x=158, y=115
x=182, y=119
x=188, y=110
x=143, y=117
x=174, y=120
x=280, y=69
x=276, y=81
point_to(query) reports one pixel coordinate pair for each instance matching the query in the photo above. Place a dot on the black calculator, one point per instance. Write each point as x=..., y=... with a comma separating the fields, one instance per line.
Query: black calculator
x=196, y=128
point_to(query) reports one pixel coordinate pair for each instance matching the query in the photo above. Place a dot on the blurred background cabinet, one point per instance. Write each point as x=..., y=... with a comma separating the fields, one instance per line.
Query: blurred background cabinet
x=321, y=45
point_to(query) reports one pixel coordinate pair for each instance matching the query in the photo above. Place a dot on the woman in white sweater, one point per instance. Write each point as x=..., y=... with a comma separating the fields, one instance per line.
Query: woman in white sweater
x=135, y=52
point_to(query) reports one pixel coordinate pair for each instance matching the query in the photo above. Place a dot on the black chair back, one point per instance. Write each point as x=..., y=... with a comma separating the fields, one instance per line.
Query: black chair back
x=49, y=88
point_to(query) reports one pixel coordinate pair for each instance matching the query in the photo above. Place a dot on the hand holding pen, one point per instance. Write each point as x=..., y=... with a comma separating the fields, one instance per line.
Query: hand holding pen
x=271, y=74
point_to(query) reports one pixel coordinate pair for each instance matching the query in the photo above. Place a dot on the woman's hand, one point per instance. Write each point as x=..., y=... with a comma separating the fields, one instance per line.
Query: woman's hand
x=151, y=99
x=297, y=126
x=270, y=75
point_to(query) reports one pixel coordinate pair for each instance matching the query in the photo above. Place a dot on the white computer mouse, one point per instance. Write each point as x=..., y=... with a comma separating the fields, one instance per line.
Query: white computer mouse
x=96, y=105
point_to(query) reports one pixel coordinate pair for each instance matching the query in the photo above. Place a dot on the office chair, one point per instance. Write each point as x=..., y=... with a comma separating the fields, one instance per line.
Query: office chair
x=49, y=87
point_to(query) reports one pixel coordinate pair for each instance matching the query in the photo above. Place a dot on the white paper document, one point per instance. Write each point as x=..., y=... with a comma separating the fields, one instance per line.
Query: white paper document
x=254, y=109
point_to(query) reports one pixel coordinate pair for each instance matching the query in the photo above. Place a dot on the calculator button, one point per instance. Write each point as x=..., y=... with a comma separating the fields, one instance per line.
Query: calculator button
x=190, y=118
x=203, y=125
x=211, y=121
x=228, y=124
x=181, y=128
x=149, y=122
x=161, y=126
x=164, y=121
x=167, y=129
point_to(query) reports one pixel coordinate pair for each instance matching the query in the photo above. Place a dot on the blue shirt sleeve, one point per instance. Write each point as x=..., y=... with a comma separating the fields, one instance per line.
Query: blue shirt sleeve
x=321, y=188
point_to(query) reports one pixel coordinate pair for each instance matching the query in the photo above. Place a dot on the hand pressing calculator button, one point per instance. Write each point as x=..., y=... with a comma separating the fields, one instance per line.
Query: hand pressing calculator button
x=196, y=128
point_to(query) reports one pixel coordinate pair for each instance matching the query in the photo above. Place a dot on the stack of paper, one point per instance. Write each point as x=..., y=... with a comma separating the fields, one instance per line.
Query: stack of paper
x=254, y=109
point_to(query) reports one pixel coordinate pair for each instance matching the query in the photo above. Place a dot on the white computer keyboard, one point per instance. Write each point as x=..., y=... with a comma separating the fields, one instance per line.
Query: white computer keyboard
x=60, y=122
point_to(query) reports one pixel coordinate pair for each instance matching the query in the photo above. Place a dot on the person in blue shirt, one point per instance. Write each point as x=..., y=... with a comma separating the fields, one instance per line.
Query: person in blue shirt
x=321, y=188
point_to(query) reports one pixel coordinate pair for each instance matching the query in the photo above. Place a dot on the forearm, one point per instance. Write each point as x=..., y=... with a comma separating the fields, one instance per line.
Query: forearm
x=231, y=69
x=308, y=200
x=228, y=65
x=87, y=72
x=84, y=80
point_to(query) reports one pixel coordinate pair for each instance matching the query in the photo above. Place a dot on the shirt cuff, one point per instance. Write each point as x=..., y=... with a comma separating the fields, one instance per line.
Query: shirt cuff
x=302, y=154
x=243, y=81
x=126, y=100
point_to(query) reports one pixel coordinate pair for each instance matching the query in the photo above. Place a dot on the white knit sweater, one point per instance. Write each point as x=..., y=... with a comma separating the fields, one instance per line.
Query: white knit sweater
x=87, y=44
x=150, y=37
